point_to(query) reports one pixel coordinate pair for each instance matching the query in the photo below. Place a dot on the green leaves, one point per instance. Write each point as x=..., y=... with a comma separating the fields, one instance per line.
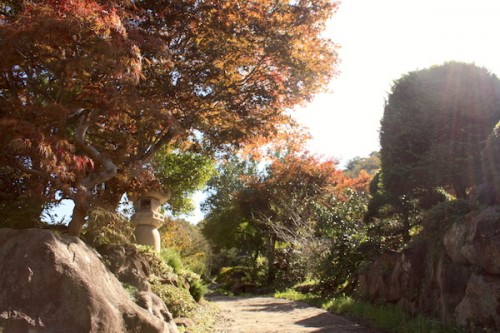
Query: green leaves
x=182, y=174
x=435, y=123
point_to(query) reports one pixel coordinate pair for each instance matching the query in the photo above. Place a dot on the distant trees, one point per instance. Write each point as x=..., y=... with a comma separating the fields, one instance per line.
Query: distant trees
x=225, y=226
x=91, y=90
x=302, y=213
x=370, y=164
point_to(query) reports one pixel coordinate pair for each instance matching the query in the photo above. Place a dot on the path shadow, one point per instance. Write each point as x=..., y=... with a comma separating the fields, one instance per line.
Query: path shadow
x=330, y=323
x=277, y=307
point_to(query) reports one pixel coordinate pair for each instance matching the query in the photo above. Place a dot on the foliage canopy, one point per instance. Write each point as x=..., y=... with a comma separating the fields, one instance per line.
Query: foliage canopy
x=434, y=127
x=90, y=90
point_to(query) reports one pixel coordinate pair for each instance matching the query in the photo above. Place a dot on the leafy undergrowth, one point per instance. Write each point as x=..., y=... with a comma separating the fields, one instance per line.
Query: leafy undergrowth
x=389, y=318
x=204, y=318
x=181, y=290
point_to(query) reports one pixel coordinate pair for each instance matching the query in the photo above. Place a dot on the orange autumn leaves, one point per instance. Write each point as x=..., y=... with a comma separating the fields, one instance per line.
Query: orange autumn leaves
x=115, y=81
x=300, y=179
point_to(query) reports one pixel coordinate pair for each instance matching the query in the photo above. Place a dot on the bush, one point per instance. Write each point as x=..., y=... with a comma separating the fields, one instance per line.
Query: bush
x=107, y=227
x=179, y=301
x=168, y=266
x=158, y=267
x=172, y=258
x=227, y=275
x=442, y=216
x=197, y=290
x=196, y=262
x=196, y=287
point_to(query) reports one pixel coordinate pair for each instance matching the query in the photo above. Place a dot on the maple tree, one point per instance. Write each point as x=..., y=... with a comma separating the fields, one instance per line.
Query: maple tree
x=90, y=90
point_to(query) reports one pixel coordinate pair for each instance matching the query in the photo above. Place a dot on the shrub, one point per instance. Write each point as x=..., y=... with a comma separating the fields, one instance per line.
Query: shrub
x=196, y=287
x=196, y=262
x=107, y=227
x=197, y=290
x=227, y=275
x=158, y=267
x=179, y=301
x=172, y=258
x=442, y=216
x=131, y=290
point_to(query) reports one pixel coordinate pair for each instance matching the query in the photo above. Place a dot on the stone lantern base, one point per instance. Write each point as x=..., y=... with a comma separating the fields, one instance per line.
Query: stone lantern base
x=149, y=235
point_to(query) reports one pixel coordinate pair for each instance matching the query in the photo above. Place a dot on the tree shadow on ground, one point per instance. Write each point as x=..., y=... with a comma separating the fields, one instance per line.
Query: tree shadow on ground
x=330, y=323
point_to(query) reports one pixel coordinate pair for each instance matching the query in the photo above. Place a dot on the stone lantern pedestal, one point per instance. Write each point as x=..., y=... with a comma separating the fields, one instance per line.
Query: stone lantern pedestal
x=147, y=218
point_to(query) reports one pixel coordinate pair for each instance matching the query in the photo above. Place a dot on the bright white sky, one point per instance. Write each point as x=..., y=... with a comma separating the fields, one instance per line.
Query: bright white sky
x=379, y=41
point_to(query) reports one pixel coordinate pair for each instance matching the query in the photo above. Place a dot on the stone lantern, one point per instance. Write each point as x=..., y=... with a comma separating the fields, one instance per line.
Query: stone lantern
x=147, y=218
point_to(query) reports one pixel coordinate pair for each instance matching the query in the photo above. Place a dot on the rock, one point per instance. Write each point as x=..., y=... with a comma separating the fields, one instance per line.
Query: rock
x=407, y=274
x=482, y=243
x=484, y=194
x=126, y=263
x=480, y=307
x=57, y=284
x=429, y=298
x=156, y=306
x=413, y=260
x=377, y=277
x=454, y=241
x=184, y=322
x=452, y=280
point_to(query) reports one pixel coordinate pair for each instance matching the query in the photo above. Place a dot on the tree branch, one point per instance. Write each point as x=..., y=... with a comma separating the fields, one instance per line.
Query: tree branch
x=109, y=169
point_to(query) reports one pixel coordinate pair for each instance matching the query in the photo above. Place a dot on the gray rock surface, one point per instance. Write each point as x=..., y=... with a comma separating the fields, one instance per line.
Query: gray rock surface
x=480, y=306
x=127, y=265
x=482, y=246
x=458, y=281
x=57, y=284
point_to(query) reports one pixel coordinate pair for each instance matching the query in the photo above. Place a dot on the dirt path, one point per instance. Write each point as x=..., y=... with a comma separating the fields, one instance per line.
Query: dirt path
x=272, y=315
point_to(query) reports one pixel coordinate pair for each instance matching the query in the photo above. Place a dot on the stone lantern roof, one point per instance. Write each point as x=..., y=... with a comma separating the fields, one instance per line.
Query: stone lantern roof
x=147, y=208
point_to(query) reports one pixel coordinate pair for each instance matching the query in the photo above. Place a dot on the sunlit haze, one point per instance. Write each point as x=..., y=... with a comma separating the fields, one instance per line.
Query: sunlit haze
x=381, y=40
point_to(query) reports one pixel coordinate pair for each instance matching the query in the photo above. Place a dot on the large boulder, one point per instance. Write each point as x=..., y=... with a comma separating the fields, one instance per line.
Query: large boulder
x=482, y=243
x=483, y=194
x=457, y=280
x=452, y=280
x=407, y=274
x=127, y=264
x=57, y=284
x=454, y=240
x=375, y=280
x=480, y=307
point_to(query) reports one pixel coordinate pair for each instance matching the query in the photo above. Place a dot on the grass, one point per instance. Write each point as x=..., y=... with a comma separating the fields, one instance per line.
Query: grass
x=389, y=318
x=204, y=318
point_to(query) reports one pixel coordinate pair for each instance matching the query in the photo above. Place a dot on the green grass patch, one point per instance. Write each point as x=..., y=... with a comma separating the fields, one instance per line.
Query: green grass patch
x=204, y=318
x=389, y=318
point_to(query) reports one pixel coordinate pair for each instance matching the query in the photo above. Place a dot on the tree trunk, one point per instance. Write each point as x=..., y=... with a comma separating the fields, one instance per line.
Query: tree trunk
x=271, y=272
x=406, y=227
x=82, y=205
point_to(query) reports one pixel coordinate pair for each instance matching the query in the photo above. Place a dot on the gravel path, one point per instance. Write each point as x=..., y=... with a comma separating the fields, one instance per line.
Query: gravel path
x=272, y=315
